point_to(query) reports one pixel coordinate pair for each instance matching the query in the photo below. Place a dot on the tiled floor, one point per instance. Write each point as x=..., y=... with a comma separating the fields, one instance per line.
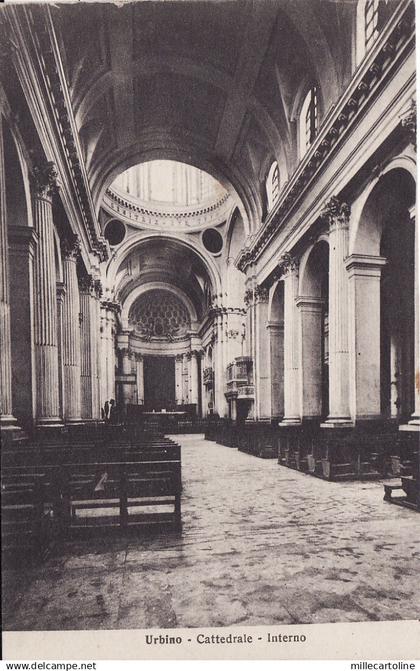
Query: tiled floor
x=260, y=544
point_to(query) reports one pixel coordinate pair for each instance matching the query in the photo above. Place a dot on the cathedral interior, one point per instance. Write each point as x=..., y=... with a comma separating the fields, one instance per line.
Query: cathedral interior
x=209, y=255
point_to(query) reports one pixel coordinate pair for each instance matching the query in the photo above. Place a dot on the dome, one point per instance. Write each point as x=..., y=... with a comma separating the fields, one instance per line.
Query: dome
x=165, y=194
x=169, y=183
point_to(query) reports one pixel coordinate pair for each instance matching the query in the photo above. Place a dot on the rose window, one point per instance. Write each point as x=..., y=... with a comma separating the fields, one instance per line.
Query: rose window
x=159, y=314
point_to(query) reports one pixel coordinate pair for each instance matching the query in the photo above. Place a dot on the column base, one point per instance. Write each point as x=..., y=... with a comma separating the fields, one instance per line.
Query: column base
x=291, y=421
x=337, y=423
x=413, y=425
x=76, y=420
x=50, y=422
x=8, y=422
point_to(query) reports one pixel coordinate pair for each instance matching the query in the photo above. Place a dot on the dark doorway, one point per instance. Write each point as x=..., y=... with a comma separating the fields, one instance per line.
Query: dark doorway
x=159, y=383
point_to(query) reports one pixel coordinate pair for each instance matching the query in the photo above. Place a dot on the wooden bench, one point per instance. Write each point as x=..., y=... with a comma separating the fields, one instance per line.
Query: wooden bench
x=410, y=487
x=106, y=495
x=26, y=524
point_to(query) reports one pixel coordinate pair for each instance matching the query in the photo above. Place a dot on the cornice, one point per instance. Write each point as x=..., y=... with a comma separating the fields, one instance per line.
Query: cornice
x=157, y=216
x=361, y=92
x=40, y=31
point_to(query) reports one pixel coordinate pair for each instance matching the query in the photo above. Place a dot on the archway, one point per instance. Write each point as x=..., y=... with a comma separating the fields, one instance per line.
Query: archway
x=312, y=303
x=382, y=282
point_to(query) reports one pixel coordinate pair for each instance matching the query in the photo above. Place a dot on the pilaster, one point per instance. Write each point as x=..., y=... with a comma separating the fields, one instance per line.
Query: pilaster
x=337, y=214
x=289, y=266
x=71, y=333
x=365, y=338
x=45, y=323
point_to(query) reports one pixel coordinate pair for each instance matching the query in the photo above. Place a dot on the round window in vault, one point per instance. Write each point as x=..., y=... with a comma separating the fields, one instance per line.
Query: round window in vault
x=114, y=232
x=212, y=240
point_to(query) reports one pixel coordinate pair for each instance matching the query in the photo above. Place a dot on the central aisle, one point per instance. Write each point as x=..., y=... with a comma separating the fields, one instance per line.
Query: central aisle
x=261, y=544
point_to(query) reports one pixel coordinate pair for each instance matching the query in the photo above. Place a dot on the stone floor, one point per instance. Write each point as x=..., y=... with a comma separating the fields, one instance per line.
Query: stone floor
x=261, y=544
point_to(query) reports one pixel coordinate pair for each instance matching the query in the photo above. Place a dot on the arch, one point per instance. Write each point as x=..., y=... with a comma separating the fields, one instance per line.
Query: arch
x=276, y=303
x=150, y=286
x=157, y=143
x=312, y=303
x=396, y=182
x=133, y=242
x=18, y=201
x=234, y=279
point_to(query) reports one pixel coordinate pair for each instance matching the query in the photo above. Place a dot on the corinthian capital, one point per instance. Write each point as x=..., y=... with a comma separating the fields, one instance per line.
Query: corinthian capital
x=98, y=288
x=409, y=122
x=86, y=284
x=288, y=264
x=71, y=247
x=44, y=180
x=261, y=294
x=336, y=213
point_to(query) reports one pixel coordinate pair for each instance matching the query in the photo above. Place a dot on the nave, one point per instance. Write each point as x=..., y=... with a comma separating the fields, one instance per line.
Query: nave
x=259, y=546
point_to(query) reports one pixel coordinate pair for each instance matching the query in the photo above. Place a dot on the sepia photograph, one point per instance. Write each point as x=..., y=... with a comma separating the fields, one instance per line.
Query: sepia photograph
x=209, y=327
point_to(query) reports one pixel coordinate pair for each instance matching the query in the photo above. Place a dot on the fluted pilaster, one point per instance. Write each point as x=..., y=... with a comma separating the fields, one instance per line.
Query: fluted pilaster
x=194, y=378
x=261, y=355
x=71, y=334
x=337, y=215
x=140, y=378
x=89, y=333
x=46, y=334
x=178, y=379
x=290, y=268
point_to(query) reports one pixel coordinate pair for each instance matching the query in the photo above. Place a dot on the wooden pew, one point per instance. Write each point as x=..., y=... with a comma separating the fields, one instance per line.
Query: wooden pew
x=26, y=524
x=110, y=492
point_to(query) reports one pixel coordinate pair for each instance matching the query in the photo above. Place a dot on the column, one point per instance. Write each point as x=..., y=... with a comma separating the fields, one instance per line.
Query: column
x=194, y=378
x=276, y=339
x=103, y=350
x=290, y=268
x=60, y=293
x=89, y=335
x=185, y=379
x=337, y=216
x=108, y=312
x=365, y=335
x=310, y=335
x=139, y=378
x=126, y=365
x=71, y=333
x=178, y=379
x=414, y=422
x=220, y=370
x=7, y=420
x=99, y=361
x=261, y=356
x=46, y=332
